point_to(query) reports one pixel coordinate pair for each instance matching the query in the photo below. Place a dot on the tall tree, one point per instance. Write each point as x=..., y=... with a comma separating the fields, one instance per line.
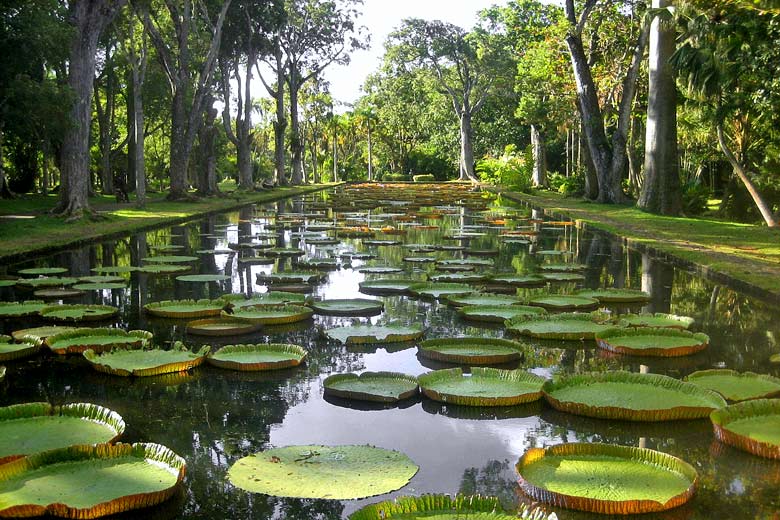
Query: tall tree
x=274, y=58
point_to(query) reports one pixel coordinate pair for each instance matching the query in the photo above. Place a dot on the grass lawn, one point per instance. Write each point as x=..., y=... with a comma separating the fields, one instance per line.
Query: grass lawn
x=746, y=252
x=26, y=226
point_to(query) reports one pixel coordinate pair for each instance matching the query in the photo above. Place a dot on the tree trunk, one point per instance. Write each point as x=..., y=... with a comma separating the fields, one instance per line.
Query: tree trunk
x=179, y=152
x=635, y=177
x=539, y=176
x=296, y=148
x=466, y=148
x=370, y=154
x=138, y=162
x=661, y=191
x=104, y=133
x=207, y=169
x=242, y=137
x=314, y=166
x=5, y=191
x=589, y=170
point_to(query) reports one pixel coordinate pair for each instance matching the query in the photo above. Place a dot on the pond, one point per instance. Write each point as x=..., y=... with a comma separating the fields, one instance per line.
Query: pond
x=213, y=417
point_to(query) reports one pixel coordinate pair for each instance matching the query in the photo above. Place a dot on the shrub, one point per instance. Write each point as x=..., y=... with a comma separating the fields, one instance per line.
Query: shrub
x=694, y=198
x=568, y=186
x=427, y=177
x=395, y=177
x=511, y=170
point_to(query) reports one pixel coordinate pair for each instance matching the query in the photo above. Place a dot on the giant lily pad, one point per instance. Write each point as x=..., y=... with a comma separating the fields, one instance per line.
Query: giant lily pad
x=79, y=312
x=238, y=301
x=439, y=290
x=380, y=387
x=562, y=277
x=484, y=387
x=164, y=269
x=284, y=251
x=291, y=277
x=482, y=299
x=185, y=308
x=348, y=307
x=519, y=280
x=736, y=386
x=11, y=351
x=221, y=327
x=37, y=334
x=332, y=472
x=35, y=427
x=271, y=314
x=99, y=286
x=446, y=507
x=59, y=293
x=650, y=341
x=605, y=478
x=99, y=340
x=101, y=279
x=146, y=362
x=358, y=334
x=471, y=351
x=89, y=481
x=573, y=326
x=170, y=259
x=379, y=269
x=114, y=269
x=202, y=278
x=469, y=262
x=386, y=286
x=656, y=320
x=563, y=268
x=263, y=356
x=458, y=277
x=47, y=281
x=45, y=271
x=21, y=309
x=562, y=302
x=498, y=313
x=615, y=295
x=752, y=426
x=631, y=397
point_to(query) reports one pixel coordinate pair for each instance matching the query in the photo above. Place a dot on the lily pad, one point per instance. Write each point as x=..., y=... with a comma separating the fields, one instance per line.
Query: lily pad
x=446, y=507
x=498, y=313
x=270, y=314
x=471, y=351
x=114, y=269
x=47, y=281
x=45, y=271
x=563, y=277
x=101, y=279
x=263, y=356
x=575, y=326
x=472, y=262
x=59, y=293
x=332, y=472
x=238, y=301
x=89, y=481
x=650, y=341
x=562, y=302
x=386, y=286
x=35, y=427
x=615, y=295
x=484, y=387
x=483, y=299
x=605, y=478
x=380, y=269
x=79, y=312
x=439, y=290
x=457, y=277
x=519, y=280
x=99, y=340
x=36, y=334
x=752, y=426
x=284, y=251
x=563, y=268
x=100, y=286
x=146, y=362
x=381, y=242
x=348, y=307
x=359, y=334
x=203, y=278
x=21, y=309
x=630, y=396
x=380, y=387
x=329, y=264
x=737, y=386
x=291, y=277
x=170, y=259
x=164, y=269
x=221, y=327
x=7, y=283
x=185, y=308
x=656, y=320
x=11, y=351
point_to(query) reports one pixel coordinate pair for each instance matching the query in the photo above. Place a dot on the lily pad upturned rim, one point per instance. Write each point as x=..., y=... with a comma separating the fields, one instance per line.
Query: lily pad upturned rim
x=275, y=314
x=482, y=299
x=521, y=324
x=158, y=454
x=494, y=313
x=237, y=301
x=203, y=308
x=330, y=386
x=375, y=334
x=615, y=295
x=2, y=373
x=519, y=280
x=37, y=271
x=86, y=411
x=19, y=350
x=309, y=277
x=348, y=307
x=26, y=308
x=386, y=286
x=661, y=413
x=564, y=302
x=746, y=410
x=674, y=321
x=432, y=349
x=202, y=278
x=228, y=327
x=222, y=357
x=480, y=507
x=692, y=378
x=437, y=291
x=189, y=361
x=39, y=334
x=47, y=281
x=609, y=340
x=170, y=259
x=429, y=379
x=365, y=471
x=90, y=312
x=130, y=339
x=654, y=458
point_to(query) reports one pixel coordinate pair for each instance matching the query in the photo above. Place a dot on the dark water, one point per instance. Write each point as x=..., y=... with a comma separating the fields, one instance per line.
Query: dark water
x=213, y=417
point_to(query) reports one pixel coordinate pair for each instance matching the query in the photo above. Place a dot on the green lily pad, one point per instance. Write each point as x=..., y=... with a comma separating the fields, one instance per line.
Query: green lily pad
x=650, y=341
x=498, y=313
x=291, y=277
x=114, y=269
x=737, y=386
x=102, y=279
x=472, y=351
x=380, y=387
x=605, y=478
x=7, y=283
x=256, y=260
x=200, y=278
x=470, y=262
x=38, y=334
x=519, y=280
x=446, y=507
x=380, y=269
x=146, y=362
x=284, y=251
x=484, y=387
x=164, y=269
x=89, y=481
x=185, y=308
x=332, y=472
x=752, y=426
x=575, y=326
x=169, y=247
x=45, y=271
x=170, y=259
x=100, y=286
x=12, y=351
x=482, y=299
x=386, y=286
x=98, y=340
x=481, y=252
x=216, y=252
x=562, y=268
x=439, y=290
x=59, y=293
x=270, y=314
x=656, y=320
x=615, y=295
x=381, y=242
x=238, y=301
x=630, y=396
x=348, y=307
x=35, y=427
x=47, y=281
x=358, y=256
x=263, y=356
x=358, y=334
x=323, y=241
x=21, y=309
x=419, y=259
x=330, y=264
x=562, y=277
x=79, y=312
x=221, y=327
x=457, y=277
x=562, y=302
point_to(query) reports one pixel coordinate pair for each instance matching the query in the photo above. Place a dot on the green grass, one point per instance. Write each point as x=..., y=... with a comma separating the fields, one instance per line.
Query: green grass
x=27, y=227
x=746, y=252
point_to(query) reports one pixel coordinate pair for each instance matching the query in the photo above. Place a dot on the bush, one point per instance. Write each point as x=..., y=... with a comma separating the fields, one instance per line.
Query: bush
x=511, y=170
x=427, y=177
x=395, y=177
x=694, y=198
x=568, y=186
